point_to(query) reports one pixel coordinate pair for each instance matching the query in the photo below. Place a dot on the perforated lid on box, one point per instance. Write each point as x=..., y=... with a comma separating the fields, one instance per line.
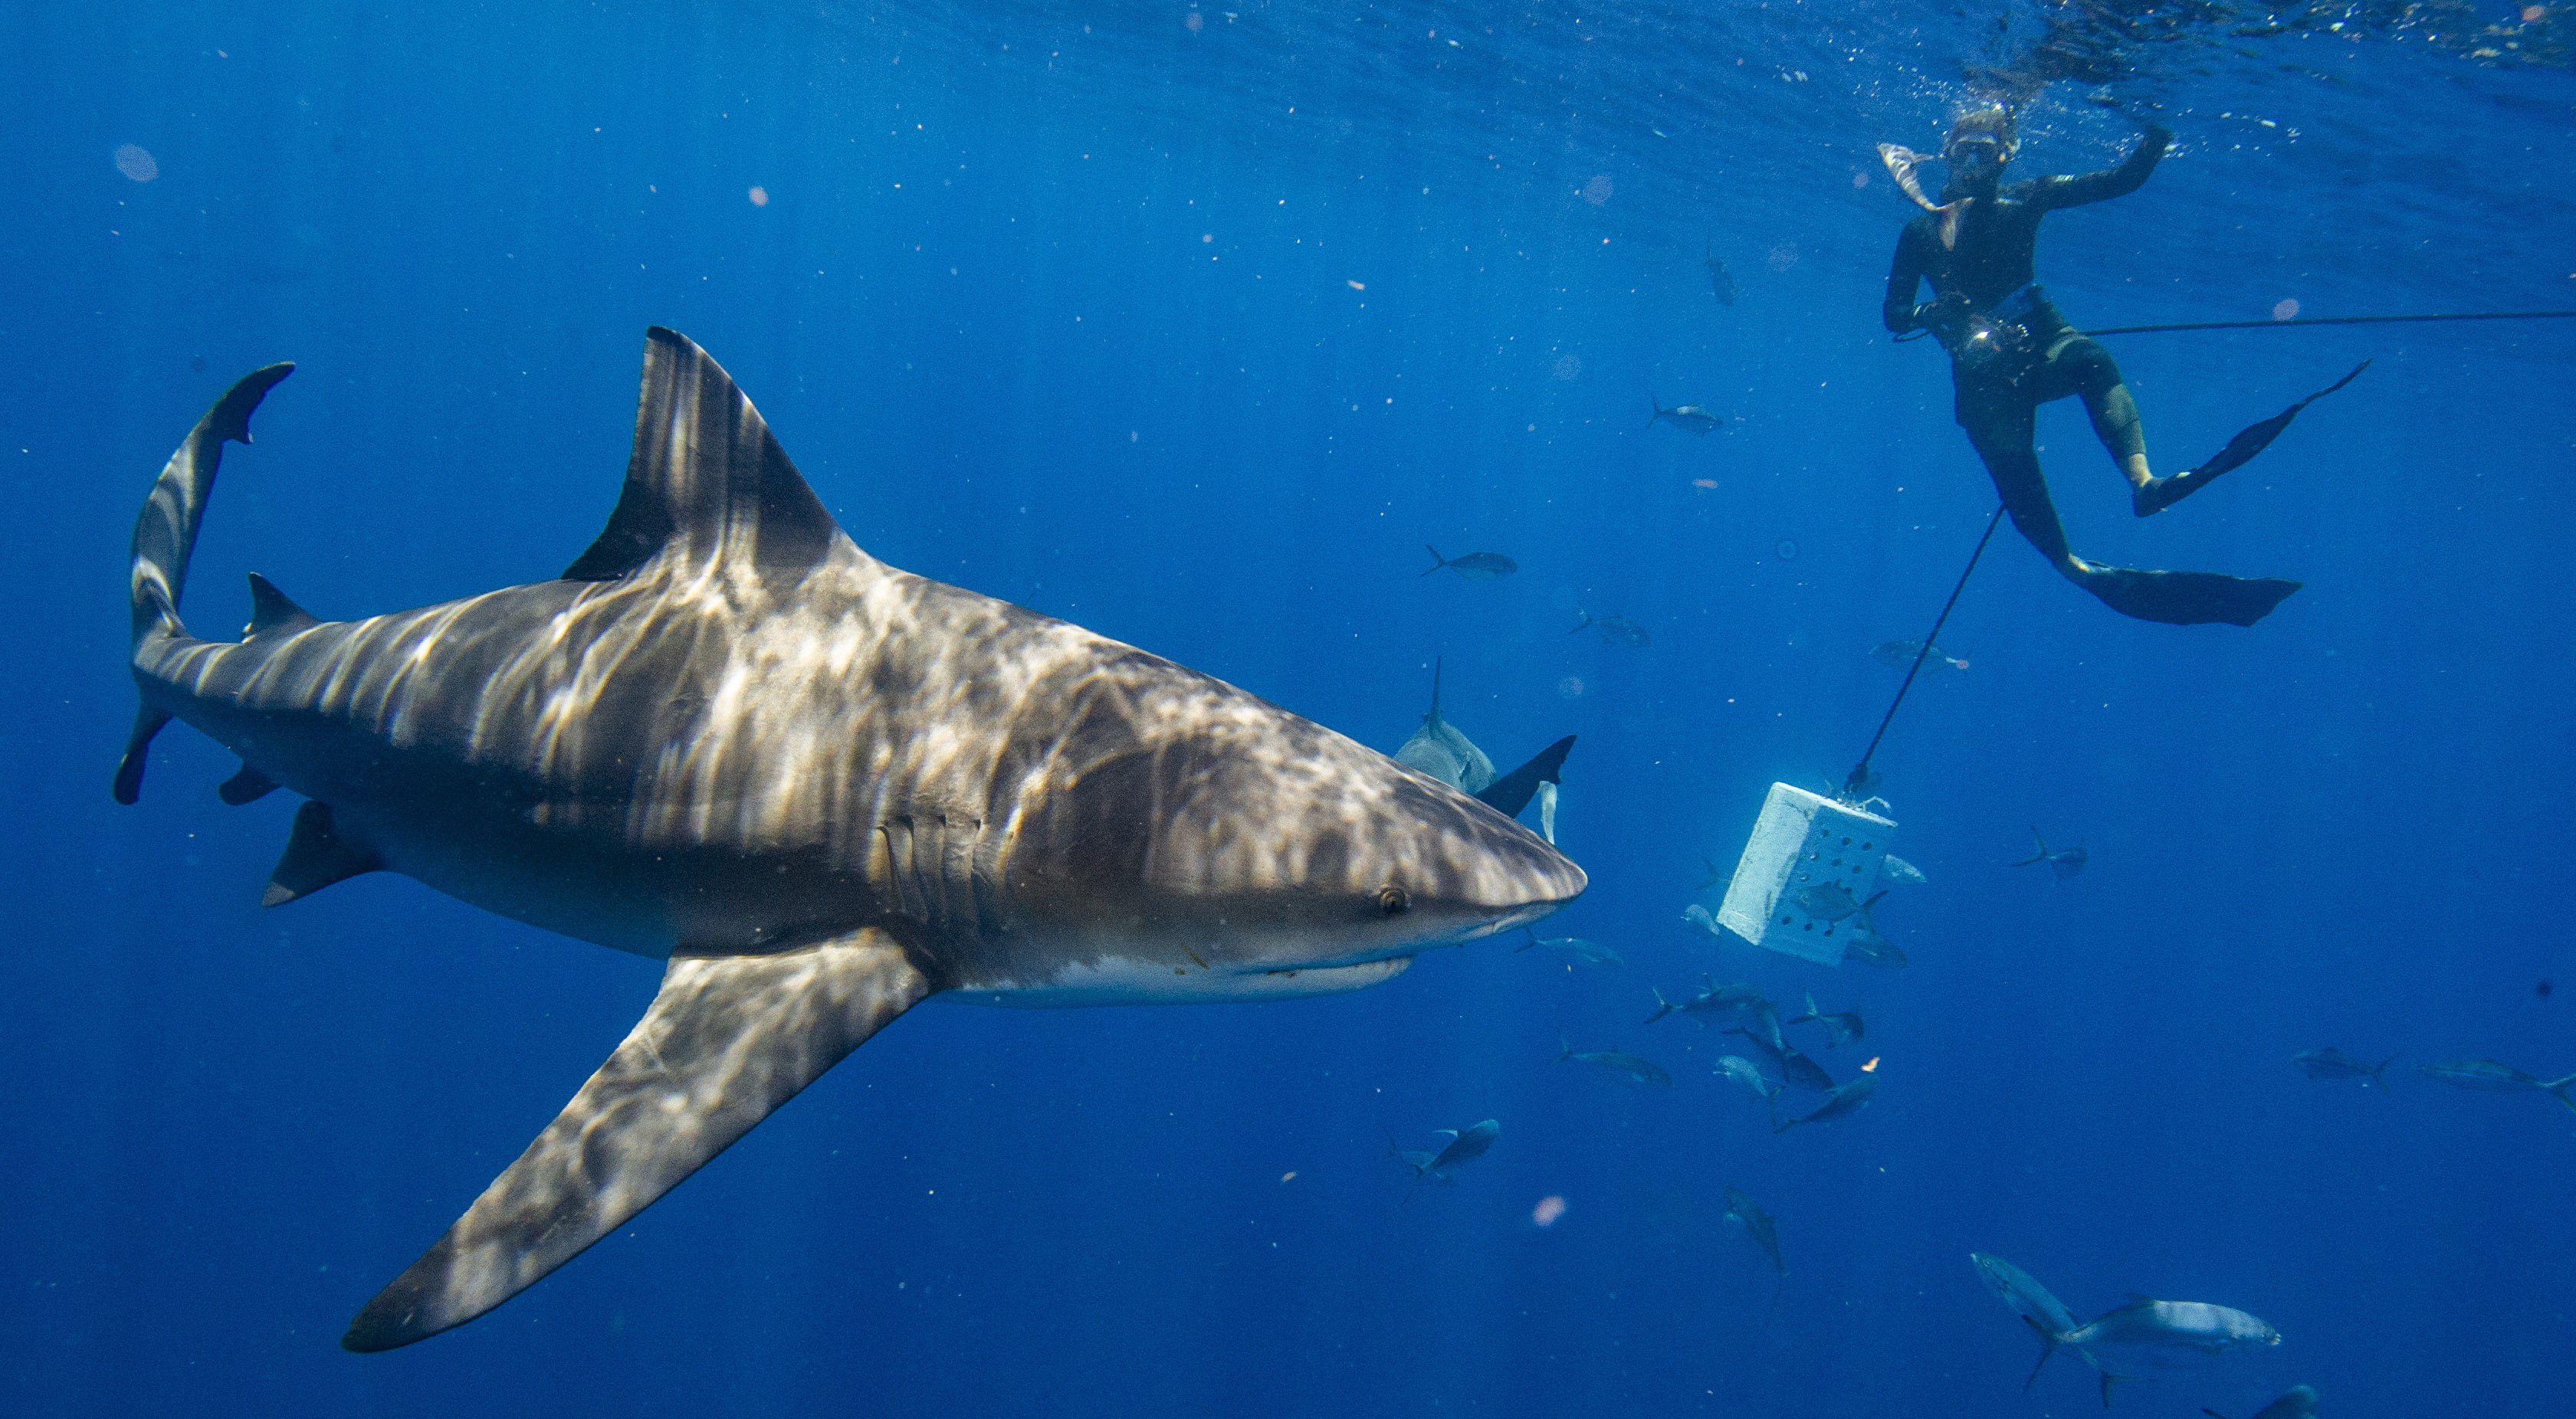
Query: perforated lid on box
x=1807, y=871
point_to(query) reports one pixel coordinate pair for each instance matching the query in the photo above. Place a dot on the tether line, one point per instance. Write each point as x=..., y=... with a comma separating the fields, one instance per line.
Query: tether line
x=2335, y=320
x=1860, y=771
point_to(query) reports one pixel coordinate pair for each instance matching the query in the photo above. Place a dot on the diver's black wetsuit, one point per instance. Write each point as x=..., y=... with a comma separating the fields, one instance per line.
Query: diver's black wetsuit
x=1986, y=267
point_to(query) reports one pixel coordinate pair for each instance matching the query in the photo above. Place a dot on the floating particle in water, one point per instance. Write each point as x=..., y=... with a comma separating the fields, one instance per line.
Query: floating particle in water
x=2532, y=15
x=759, y=196
x=1784, y=256
x=2287, y=308
x=1568, y=366
x=1356, y=285
x=1194, y=22
x=1597, y=191
x=1786, y=549
x=197, y=365
x=1571, y=687
x=1288, y=1176
x=1710, y=484
x=2543, y=988
x=133, y=160
x=1859, y=181
x=1548, y=1210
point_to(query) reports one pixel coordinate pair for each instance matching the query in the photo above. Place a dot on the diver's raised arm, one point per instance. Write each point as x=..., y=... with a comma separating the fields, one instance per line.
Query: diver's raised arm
x=1904, y=277
x=2120, y=181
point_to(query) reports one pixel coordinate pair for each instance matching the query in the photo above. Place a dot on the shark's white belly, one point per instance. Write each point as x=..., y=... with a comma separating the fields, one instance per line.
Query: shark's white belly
x=1118, y=980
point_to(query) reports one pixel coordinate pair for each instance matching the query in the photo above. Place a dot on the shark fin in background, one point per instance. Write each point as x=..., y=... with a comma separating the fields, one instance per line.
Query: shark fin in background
x=726, y=1041
x=315, y=857
x=706, y=478
x=1512, y=792
x=272, y=614
x=247, y=786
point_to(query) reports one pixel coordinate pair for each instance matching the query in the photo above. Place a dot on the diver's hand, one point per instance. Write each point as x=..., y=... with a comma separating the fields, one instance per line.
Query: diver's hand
x=2157, y=136
x=1941, y=312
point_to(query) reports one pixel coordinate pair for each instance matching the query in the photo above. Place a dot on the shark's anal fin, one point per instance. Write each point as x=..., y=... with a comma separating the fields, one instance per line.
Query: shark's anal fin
x=726, y=1041
x=706, y=478
x=272, y=614
x=248, y=786
x=315, y=857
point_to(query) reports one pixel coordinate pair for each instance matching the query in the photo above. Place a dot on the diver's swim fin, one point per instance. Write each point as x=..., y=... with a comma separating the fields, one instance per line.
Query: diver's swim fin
x=2162, y=493
x=1512, y=792
x=2186, y=598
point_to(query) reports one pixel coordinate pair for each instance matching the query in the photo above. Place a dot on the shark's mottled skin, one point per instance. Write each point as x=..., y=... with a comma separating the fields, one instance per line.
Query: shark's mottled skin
x=823, y=788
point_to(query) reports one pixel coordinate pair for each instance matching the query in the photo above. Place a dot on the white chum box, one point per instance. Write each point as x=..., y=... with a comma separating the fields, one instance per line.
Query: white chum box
x=1809, y=866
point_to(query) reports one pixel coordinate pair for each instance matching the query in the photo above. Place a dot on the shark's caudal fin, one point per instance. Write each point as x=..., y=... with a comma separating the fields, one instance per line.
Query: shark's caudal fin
x=726, y=1041
x=706, y=479
x=2039, y=853
x=165, y=536
x=1512, y=792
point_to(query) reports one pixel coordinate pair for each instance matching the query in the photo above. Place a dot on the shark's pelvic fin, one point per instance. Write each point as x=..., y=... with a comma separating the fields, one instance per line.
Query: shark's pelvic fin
x=247, y=786
x=315, y=857
x=728, y=1040
x=165, y=535
x=1512, y=792
x=706, y=479
x=272, y=613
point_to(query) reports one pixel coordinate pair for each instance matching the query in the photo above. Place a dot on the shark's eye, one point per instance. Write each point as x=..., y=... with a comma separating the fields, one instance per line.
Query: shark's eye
x=1392, y=900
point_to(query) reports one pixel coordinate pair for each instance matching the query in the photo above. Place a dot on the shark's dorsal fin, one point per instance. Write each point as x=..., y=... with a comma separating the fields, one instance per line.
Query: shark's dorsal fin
x=316, y=856
x=272, y=614
x=706, y=479
x=726, y=1041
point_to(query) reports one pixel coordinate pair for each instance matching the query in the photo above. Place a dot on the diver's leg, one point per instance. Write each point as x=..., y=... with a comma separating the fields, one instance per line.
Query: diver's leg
x=2001, y=425
x=2089, y=369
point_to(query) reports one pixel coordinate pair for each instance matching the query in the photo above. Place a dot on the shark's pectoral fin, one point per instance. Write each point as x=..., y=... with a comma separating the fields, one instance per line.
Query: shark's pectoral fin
x=316, y=856
x=138, y=744
x=706, y=477
x=728, y=1040
x=248, y=786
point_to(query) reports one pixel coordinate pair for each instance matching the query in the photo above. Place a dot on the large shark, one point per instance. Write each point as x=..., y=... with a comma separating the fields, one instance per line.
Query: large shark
x=823, y=789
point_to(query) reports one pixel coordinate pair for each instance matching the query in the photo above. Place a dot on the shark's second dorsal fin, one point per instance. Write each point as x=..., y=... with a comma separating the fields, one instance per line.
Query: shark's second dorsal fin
x=706, y=480
x=272, y=614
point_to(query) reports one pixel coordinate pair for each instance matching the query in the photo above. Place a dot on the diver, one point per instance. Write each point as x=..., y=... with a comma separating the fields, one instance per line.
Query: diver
x=2011, y=351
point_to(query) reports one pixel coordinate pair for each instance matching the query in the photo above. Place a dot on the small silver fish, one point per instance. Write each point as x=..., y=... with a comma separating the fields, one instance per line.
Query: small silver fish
x=1721, y=282
x=1758, y=1225
x=2332, y=1063
x=1896, y=871
x=1475, y=566
x=1841, y=1028
x=1827, y=902
x=1685, y=416
x=1699, y=916
x=1718, y=1004
x=1618, y=630
x=1464, y=1146
x=2298, y=1403
x=1844, y=1101
x=1638, y=1071
x=1793, y=1066
x=2487, y=1076
x=1901, y=654
x=2065, y=864
x=1863, y=943
x=1574, y=948
x=1735, y=1068
x=2148, y=1336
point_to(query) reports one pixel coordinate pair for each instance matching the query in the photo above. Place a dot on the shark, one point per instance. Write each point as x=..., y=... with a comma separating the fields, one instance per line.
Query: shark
x=819, y=789
x=1443, y=751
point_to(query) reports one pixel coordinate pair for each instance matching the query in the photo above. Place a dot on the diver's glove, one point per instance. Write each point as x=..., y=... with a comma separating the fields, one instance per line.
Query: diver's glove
x=1941, y=315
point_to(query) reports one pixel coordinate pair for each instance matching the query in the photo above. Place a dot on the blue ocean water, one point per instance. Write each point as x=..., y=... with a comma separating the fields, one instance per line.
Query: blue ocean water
x=1194, y=326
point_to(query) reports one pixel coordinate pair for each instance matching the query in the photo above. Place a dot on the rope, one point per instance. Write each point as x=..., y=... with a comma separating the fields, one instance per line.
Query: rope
x=2336, y=320
x=1860, y=771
